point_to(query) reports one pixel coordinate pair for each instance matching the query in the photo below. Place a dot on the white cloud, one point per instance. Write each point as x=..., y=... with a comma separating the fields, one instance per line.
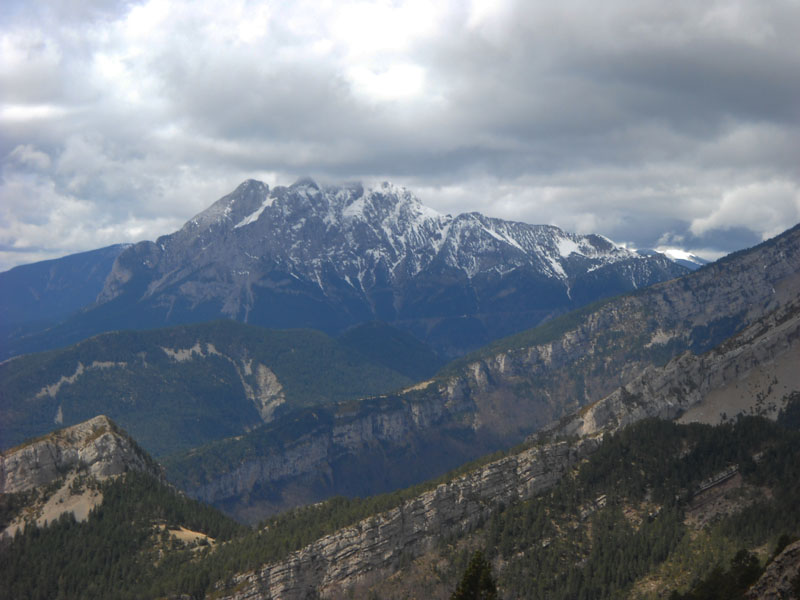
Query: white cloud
x=398, y=82
x=771, y=205
x=29, y=156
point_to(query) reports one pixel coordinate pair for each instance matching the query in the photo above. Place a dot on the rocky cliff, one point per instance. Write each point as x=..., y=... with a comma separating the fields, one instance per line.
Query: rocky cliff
x=687, y=381
x=362, y=448
x=781, y=579
x=376, y=546
x=59, y=473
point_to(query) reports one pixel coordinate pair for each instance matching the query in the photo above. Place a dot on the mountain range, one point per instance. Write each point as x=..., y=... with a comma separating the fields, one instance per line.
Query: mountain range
x=643, y=445
x=328, y=258
x=254, y=422
x=632, y=507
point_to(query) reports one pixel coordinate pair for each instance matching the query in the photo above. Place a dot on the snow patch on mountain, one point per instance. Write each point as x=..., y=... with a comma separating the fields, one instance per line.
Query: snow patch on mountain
x=355, y=209
x=676, y=254
x=567, y=246
x=253, y=216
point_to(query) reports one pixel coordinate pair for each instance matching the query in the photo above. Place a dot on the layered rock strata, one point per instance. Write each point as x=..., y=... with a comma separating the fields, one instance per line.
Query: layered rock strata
x=685, y=382
x=378, y=544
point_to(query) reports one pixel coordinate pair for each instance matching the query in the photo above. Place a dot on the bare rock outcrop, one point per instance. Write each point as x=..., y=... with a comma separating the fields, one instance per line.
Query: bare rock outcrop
x=781, y=579
x=96, y=447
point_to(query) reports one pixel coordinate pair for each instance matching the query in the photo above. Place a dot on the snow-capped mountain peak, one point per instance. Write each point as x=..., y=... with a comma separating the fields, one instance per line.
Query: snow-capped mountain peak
x=231, y=208
x=678, y=256
x=359, y=232
x=377, y=252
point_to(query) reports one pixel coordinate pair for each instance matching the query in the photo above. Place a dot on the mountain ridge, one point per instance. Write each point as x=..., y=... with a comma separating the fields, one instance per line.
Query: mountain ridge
x=369, y=233
x=647, y=496
x=173, y=386
x=59, y=473
x=388, y=543
x=331, y=257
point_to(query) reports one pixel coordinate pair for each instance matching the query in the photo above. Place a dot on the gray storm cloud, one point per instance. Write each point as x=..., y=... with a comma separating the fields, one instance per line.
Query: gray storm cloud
x=652, y=123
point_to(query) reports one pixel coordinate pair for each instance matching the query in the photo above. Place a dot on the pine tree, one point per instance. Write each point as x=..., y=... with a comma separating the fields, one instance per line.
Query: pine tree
x=477, y=582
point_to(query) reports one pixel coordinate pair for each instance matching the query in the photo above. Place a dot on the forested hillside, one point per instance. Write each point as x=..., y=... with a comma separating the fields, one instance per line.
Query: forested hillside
x=177, y=387
x=657, y=508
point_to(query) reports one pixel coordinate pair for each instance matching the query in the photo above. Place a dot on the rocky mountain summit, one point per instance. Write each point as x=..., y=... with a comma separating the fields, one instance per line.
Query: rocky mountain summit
x=330, y=257
x=97, y=448
x=59, y=473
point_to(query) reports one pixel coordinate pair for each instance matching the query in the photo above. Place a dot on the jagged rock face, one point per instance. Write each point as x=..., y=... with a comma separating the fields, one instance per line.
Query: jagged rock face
x=331, y=257
x=685, y=382
x=781, y=577
x=378, y=545
x=96, y=447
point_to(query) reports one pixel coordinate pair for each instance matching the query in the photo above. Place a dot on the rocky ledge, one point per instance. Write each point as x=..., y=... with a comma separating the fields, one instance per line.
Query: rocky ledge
x=686, y=381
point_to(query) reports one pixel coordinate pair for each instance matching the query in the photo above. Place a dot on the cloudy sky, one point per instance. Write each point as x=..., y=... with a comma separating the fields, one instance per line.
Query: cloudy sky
x=655, y=123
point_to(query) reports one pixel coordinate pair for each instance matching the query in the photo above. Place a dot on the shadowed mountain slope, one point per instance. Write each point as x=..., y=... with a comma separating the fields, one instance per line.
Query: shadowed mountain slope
x=179, y=387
